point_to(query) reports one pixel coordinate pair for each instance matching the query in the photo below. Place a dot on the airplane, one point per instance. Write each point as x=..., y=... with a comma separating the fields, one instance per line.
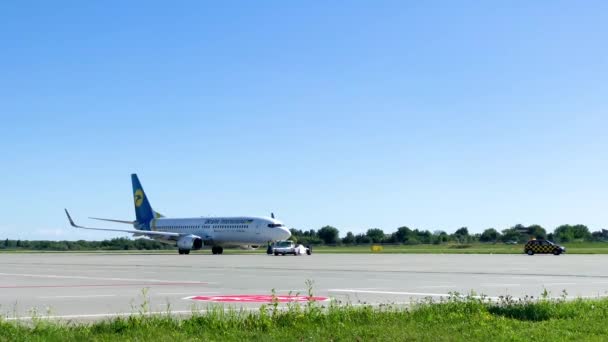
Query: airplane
x=194, y=233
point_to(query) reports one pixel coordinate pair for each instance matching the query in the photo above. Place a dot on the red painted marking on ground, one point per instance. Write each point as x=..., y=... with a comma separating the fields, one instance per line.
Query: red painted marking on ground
x=258, y=299
x=96, y=285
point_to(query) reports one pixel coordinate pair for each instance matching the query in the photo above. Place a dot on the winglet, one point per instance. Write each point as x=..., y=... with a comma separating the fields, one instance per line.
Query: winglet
x=70, y=218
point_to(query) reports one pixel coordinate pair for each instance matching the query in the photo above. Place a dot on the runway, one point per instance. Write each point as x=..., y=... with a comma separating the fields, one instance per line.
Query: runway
x=97, y=286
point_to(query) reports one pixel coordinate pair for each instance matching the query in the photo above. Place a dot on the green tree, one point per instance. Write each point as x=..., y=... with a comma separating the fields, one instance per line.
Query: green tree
x=598, y=236
x=489, y=235
x=362, y=238
x=349, y=239
x=568, y=233
x=375, y=234
x=537, y=231
x=462, y=235
x=329, y=235
x=424, y=236
x=402, y=234
x=512, y=234
x=439, y=236
x=475, y=237
x=462, y=231
x=308, y=237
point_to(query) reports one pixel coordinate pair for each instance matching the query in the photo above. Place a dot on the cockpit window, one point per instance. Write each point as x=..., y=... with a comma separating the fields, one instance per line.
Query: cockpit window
x=274, y=225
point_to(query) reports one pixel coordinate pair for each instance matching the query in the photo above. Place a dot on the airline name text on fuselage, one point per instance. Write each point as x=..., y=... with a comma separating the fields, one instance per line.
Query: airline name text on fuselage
x=228, y=221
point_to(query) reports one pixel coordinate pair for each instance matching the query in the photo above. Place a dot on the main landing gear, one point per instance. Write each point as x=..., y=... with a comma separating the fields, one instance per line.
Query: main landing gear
x=214, y=250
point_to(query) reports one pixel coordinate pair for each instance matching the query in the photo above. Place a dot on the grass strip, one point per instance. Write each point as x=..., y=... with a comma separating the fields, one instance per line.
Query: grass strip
x=451, y=319
x=473, y=248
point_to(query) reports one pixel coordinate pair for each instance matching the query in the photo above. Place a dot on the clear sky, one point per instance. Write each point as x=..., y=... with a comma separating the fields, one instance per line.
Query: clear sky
x=356, y=114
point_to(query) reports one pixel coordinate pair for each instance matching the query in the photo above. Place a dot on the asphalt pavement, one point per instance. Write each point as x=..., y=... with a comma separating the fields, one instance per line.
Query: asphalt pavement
x=96, y=286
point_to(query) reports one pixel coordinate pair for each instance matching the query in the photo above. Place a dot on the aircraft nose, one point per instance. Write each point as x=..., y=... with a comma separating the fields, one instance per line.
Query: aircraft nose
x=284, y=234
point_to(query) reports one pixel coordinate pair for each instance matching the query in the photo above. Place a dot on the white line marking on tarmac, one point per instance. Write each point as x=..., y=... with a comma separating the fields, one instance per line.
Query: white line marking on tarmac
x=123, y=295
x=575, y=297
x=181, y=293
x=436, y=286
x=100, y=278
x=497, y=285
x=523, y=278
x=153, y=313
x=410, y=293
x=555, y=284
x=83, y=296
x=112, y=315
x=391, y=292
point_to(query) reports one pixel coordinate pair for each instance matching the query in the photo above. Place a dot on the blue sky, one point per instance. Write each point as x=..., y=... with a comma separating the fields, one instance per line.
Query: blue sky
x=356, y=114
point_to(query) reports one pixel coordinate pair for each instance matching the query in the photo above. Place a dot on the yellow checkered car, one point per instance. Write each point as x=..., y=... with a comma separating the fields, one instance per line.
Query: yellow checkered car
x=543, y=247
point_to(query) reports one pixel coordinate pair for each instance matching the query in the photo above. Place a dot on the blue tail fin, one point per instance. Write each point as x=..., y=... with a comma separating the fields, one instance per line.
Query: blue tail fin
x=143, y=211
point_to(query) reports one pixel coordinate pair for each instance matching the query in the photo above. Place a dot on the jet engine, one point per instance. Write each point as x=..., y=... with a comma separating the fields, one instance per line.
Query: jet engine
x=189, y=242
x=249, y=247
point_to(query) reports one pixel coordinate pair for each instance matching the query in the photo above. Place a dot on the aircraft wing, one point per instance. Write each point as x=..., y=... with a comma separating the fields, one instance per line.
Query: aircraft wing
x=132, y=231
x=112, y=220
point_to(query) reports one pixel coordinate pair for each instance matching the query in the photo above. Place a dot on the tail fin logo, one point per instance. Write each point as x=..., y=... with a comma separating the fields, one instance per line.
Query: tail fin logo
x=139, y=197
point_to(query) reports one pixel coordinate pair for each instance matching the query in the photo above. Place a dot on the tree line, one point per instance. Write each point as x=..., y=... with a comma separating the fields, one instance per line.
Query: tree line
x=110, y=245
x=329, y=235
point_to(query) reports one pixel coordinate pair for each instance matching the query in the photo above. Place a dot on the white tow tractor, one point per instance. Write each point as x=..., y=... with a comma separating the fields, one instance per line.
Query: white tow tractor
x=289, y=247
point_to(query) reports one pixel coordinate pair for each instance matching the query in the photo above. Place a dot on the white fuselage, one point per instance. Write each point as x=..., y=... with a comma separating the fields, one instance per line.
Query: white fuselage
x=225, y=230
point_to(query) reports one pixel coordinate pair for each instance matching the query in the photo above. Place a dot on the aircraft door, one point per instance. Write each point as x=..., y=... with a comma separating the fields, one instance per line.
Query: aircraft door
x=258, y=228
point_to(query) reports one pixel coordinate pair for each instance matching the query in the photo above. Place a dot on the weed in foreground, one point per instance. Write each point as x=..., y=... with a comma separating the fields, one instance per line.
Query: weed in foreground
x=457, y=317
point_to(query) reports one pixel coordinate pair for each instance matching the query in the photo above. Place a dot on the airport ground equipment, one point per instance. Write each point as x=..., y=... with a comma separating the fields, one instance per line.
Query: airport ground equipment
x=290, y=247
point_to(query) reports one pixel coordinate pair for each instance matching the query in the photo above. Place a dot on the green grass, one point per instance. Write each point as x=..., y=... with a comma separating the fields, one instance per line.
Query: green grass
x=474, y=248
x=131, y=251
x=453, y=319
